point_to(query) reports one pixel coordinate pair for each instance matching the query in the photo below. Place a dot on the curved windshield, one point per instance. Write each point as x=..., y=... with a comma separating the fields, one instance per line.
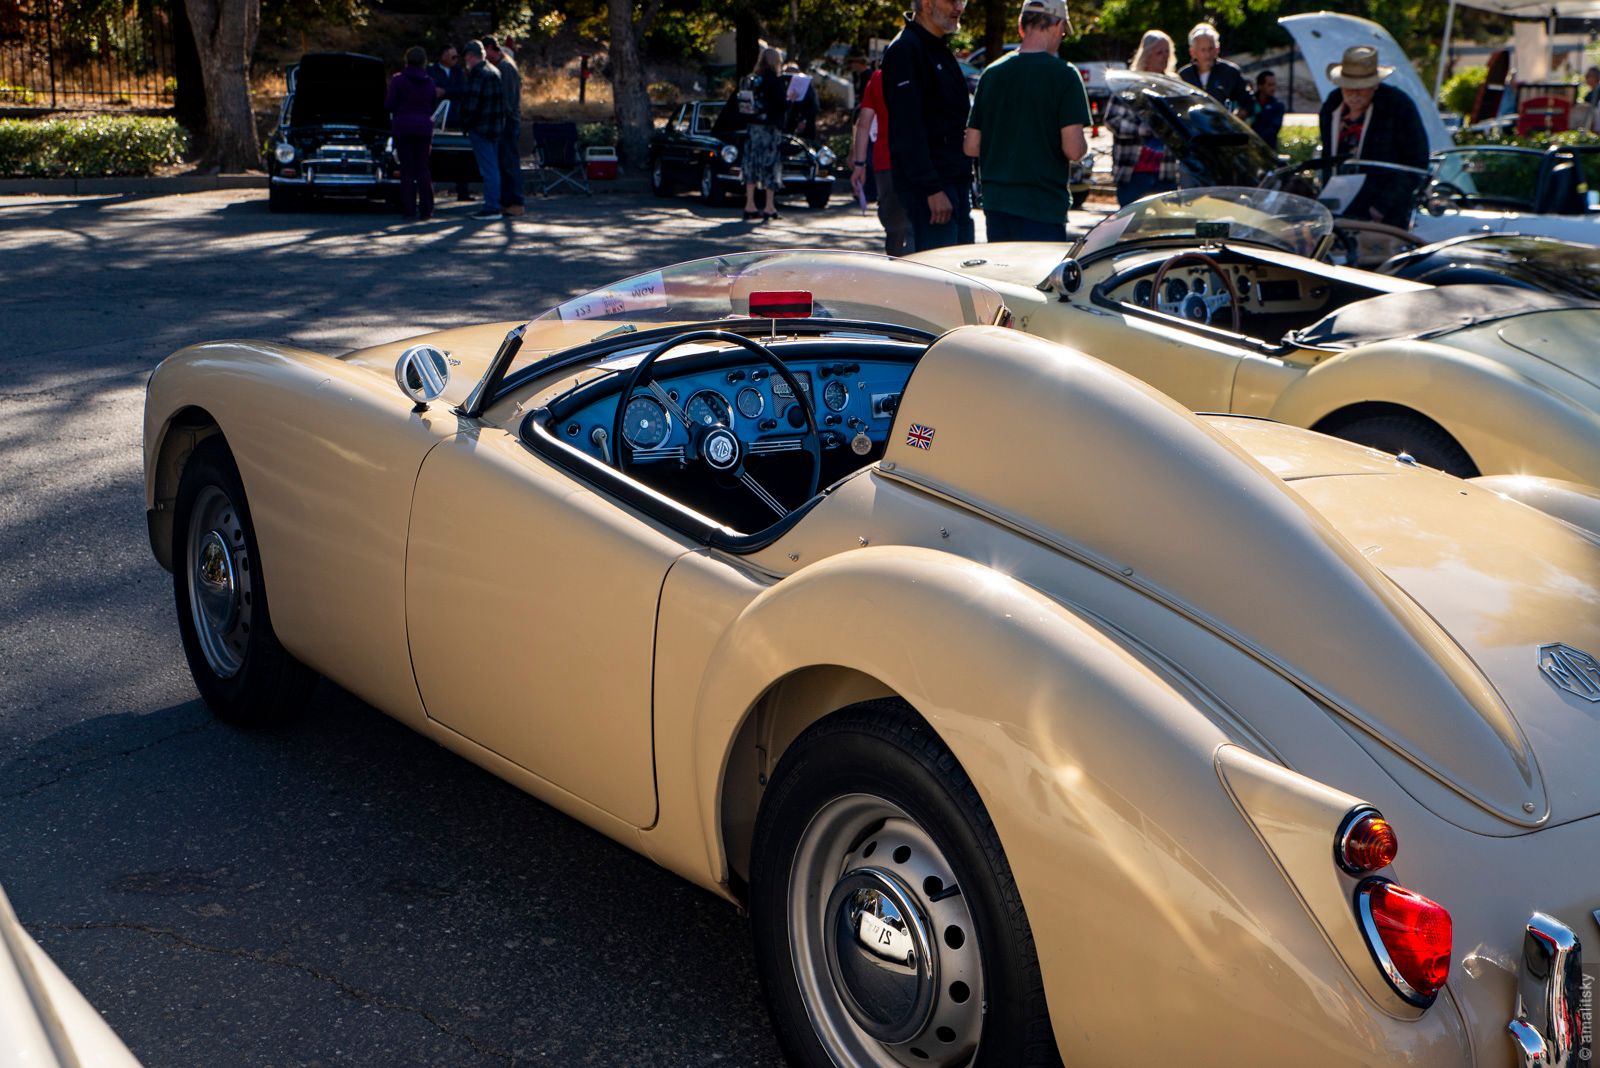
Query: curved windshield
x=1213, y=145
x=1256, y=216
x=848, y=286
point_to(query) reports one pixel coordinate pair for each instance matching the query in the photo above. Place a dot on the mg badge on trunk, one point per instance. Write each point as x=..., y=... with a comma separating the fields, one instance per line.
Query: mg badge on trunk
x=1571, y=669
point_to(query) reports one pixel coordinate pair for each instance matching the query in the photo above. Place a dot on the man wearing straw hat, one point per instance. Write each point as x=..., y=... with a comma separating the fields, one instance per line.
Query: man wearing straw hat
x=1363, y=119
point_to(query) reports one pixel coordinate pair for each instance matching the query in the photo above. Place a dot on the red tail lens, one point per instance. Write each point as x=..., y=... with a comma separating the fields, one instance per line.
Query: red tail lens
x=1410, y=937
x=1366, y=842
x=794, y=304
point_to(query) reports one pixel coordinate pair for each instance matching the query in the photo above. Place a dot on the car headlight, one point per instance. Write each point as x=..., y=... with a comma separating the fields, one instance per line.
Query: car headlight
x=284, y=153
x=825, y=157
x=730, y=154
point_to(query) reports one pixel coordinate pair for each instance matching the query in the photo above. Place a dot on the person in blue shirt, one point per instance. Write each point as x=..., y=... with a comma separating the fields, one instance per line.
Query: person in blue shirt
x=1269, y=109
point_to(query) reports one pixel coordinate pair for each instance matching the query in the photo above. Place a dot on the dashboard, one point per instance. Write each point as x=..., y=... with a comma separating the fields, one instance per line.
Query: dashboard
x=851, y=391
x=1194, y=292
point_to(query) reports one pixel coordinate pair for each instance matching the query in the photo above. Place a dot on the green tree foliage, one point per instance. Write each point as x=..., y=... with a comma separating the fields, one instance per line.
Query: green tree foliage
x=1461, y=91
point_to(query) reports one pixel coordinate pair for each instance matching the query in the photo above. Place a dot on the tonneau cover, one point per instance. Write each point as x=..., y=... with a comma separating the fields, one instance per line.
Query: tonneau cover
x=1424, y=312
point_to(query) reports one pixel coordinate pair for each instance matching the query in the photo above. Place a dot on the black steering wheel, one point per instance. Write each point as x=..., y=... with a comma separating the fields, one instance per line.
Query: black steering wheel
x=1196, y=307
x=716, y=448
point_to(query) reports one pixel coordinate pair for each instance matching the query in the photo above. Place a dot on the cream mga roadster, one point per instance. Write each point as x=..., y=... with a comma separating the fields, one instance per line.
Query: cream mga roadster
x=1032, y=717
x=1219, y=297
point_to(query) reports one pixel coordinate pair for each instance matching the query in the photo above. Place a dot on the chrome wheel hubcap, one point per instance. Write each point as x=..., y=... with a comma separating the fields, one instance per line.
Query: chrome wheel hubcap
x=885, y=949
x=219, y=582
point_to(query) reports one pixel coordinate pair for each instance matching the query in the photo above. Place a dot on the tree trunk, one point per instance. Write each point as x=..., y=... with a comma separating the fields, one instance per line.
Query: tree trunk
x=225, y=33
x=629, y=94
x=746, y=40
x=996, y=28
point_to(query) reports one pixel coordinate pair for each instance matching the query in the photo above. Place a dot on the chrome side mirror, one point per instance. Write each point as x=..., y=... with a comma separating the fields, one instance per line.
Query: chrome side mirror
x=1064, y=278
x=422, y=372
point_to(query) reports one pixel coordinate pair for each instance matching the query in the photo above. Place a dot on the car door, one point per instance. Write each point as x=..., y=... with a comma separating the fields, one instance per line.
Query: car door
x=531, y=607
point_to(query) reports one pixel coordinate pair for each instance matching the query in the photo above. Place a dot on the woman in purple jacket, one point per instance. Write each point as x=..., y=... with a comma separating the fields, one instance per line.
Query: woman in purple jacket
x=412, y=97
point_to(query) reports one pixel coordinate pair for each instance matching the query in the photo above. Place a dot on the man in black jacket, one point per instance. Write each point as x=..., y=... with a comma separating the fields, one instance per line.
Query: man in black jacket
x=1216, y=76
x=1365, y=120
x=926, y=96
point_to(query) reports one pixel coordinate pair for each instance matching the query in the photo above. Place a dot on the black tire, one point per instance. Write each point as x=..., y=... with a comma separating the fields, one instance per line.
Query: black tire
x=817, y=199
x=241, y=670
x=1422, y=439
x=280, y=200
x=711, y=190
x=660, y=183
x=990, y=994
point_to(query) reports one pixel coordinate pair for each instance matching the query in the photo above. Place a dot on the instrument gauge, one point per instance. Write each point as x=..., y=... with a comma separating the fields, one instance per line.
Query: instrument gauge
x=1176, y=290
x=835, y=395
x=1199, y=285
x=645, y=423
x=1142, y=291
x=708, y=408
x=751, y=402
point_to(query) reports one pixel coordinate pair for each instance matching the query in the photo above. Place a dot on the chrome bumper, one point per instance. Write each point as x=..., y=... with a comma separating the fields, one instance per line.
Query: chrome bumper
x=1553, y=1025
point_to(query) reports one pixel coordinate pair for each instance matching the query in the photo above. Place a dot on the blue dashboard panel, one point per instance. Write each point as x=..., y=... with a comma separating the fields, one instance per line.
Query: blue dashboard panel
x=847, y=397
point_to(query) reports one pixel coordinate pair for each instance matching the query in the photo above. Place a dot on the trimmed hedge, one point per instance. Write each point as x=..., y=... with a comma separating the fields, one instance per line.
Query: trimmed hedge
x=95, y=146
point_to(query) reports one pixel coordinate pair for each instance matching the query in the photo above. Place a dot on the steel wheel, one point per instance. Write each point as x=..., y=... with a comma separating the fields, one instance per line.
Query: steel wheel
x=240, y=668
x=219, y=581
x=889, y=930
x=885, y=949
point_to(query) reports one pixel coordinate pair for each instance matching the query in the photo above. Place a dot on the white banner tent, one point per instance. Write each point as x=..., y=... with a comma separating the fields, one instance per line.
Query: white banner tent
x=1532, y=10
x=1322, y=37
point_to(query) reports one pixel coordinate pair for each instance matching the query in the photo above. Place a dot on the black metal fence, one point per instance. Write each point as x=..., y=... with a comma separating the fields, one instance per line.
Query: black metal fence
x=92, y=55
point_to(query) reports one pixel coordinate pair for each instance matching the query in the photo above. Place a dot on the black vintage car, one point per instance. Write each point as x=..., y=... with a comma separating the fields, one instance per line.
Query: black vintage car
x=688, y=154
x=333, y=138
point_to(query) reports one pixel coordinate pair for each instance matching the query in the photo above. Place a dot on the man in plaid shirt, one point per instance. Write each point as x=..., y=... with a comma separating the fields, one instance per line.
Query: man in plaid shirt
x=483, y=116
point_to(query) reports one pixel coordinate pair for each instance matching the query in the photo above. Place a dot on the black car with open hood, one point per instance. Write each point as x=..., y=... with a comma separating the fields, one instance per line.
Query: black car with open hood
x=333, y=137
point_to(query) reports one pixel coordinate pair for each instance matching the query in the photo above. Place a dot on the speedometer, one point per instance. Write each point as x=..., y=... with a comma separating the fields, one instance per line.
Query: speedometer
x=835, y=395
x=645, y=423
x=707, y=408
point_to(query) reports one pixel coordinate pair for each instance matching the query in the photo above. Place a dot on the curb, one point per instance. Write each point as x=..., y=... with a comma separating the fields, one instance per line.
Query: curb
x=632, y=185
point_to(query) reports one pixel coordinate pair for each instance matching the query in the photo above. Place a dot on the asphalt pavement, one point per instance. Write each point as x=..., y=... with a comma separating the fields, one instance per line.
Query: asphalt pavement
x=341, y=891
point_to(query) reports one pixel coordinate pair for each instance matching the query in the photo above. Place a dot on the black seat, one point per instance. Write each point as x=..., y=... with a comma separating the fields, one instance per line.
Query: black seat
x=560, y=163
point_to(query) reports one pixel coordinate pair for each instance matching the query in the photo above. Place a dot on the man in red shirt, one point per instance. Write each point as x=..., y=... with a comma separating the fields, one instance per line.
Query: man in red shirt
x=891, y=213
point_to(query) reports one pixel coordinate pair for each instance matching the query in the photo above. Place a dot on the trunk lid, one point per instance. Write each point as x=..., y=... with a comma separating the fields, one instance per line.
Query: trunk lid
x=1506, y=582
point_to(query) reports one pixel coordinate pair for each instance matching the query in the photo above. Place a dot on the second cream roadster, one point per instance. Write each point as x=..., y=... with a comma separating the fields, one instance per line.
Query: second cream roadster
x=1032, y=717
x=1219, y=298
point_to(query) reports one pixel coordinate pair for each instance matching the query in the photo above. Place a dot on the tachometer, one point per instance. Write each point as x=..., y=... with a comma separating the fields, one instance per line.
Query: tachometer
x=1176, y=290
x=645, y=423
x=707, y=408
x=835, y=395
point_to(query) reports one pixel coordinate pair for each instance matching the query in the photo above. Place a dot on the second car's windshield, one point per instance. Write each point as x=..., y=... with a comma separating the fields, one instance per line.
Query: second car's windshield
x=1258, y=216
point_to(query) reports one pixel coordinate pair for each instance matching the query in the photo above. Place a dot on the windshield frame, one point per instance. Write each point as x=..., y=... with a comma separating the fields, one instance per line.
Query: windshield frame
x=701, y=280
x=1120, y=231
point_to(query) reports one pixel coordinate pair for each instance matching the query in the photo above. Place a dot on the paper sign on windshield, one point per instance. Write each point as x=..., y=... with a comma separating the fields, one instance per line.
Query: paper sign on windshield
x=644, y=293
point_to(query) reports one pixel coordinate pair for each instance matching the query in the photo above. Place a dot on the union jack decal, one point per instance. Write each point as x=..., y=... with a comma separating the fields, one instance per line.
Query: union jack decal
x=919, y=436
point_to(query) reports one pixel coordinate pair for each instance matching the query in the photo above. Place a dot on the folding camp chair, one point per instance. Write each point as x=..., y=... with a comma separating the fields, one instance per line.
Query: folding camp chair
x=555, y=147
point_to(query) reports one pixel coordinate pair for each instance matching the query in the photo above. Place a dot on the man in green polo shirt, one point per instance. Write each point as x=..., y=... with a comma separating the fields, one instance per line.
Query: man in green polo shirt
x=1026, y=129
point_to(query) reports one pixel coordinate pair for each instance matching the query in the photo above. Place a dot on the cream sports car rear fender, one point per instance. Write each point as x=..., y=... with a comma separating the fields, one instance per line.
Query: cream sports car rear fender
x=1161, y=922
x=1486, y=405
x=329, y=454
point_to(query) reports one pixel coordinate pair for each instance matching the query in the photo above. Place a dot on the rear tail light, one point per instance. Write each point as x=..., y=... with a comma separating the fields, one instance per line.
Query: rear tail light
x=1409, y=937
x=1365, y=842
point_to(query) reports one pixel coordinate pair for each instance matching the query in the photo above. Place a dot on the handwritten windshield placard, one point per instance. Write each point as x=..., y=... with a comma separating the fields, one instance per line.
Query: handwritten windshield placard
x=644, y=293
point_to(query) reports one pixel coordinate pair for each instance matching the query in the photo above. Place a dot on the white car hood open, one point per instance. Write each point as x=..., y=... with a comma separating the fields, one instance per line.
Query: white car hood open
x=1322, y=37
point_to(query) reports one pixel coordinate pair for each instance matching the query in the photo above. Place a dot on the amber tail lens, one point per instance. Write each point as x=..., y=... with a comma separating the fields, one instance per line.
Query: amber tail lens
x=1366, y=842
x=1415, y=933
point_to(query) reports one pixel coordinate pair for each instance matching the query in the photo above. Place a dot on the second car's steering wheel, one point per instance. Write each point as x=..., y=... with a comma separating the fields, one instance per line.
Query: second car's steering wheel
x=715, y=447
x=1196, y=307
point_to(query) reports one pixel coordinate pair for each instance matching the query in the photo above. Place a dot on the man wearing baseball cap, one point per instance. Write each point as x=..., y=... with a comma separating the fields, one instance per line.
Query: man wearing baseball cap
x=1363, y=119
x=1026, y=128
